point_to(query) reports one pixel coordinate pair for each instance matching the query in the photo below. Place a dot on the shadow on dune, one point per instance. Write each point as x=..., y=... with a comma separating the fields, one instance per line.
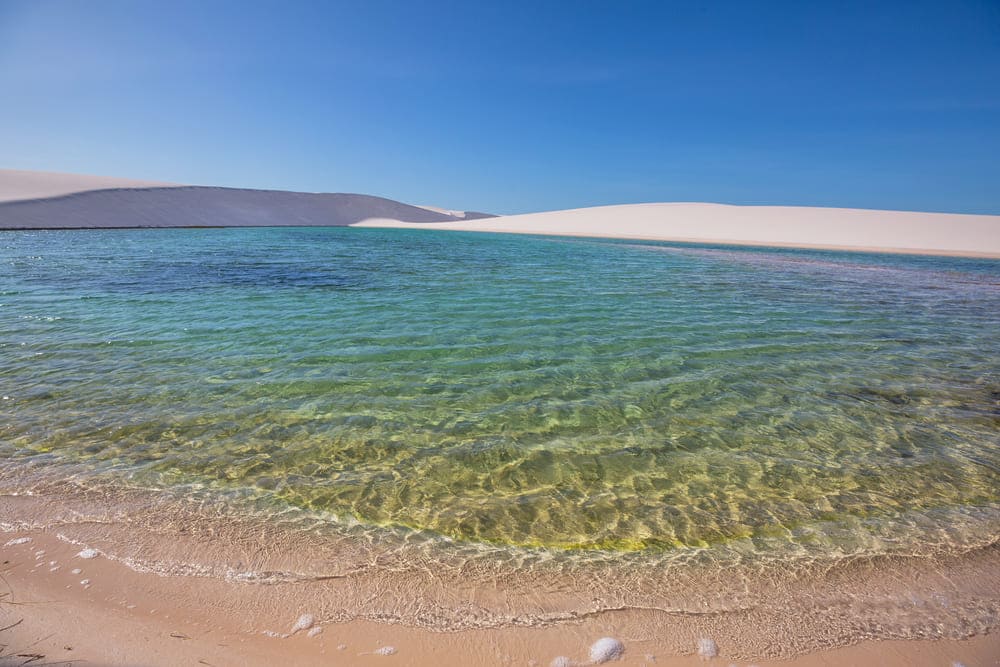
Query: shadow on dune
x=196, y=206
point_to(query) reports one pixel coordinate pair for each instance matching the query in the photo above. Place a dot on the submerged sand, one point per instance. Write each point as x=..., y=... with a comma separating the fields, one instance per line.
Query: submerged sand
x=780, y=226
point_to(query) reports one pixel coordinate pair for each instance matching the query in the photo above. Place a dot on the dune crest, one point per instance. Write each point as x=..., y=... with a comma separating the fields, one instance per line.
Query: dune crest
x=21, y=185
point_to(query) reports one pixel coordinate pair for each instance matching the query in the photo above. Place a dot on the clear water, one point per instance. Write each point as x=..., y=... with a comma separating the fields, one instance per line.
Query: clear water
x=511, y=391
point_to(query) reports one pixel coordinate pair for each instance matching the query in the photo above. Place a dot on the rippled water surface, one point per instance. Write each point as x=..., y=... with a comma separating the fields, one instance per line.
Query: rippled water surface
x=515, y=391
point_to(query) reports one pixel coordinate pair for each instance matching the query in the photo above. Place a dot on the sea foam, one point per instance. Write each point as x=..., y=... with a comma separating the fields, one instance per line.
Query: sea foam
x=606, y=649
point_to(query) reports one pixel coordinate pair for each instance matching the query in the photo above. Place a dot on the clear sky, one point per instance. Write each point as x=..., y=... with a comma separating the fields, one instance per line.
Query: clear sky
x=510, y=107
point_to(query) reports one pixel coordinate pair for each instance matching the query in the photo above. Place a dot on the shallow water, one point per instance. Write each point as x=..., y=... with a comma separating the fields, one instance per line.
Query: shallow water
x=607, y=401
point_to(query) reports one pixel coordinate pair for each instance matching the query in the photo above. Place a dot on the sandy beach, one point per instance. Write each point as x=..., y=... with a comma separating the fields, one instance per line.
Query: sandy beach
x=776, y=226
x=67, y=605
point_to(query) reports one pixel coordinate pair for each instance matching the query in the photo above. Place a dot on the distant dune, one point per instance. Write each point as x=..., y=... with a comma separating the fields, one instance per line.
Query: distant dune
x=834, y=228
x=73, y=202
x=20, y=185
x=41, y=200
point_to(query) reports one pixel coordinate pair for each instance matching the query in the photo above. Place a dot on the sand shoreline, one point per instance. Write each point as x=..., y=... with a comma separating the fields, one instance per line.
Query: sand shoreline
x=729, y=244
x=164, y=585
x=123, y=617
x=685, y=241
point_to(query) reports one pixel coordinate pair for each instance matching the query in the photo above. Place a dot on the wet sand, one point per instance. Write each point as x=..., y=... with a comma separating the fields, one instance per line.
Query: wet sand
x=123, y=617
x=83, y=581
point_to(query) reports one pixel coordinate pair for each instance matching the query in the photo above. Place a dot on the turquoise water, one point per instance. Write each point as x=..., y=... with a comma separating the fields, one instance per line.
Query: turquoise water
x=512, y=391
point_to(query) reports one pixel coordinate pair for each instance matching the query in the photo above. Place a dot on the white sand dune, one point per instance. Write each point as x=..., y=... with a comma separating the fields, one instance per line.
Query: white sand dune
x=438, y=209
x=789, y=226
x=32, y=200
x=462, y=215
x=40, y=200
x=16, y=185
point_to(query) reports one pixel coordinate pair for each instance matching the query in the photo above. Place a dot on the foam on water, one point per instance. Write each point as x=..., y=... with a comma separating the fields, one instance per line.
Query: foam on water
x=707, y=648
x=606, y=649
x=304, y=622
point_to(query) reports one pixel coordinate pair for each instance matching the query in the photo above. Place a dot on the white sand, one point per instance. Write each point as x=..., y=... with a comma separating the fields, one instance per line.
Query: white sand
x=842, y=228
x=17, y=184
x=445, y=211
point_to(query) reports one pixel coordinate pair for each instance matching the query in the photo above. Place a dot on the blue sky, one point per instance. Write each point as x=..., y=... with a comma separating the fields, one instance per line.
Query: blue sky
x=513, y=107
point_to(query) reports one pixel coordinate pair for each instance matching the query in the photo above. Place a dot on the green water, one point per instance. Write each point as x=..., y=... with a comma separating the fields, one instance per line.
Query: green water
x=514, y=391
